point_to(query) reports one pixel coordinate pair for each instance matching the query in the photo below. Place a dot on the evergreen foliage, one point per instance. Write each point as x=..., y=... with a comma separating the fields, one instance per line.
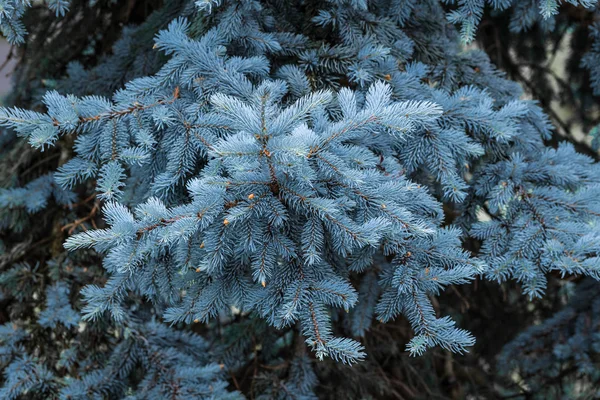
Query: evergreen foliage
x=278, y=181
x=11, y=12
x=561, y=348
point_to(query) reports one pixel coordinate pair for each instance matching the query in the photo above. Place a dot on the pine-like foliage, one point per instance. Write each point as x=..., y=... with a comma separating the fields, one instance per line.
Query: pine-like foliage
x=11, y=12
x=525, y=13
x=546, y=355
x=291, y=175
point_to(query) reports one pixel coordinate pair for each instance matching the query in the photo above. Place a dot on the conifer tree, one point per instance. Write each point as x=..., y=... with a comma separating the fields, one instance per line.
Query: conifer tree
x=242, y=197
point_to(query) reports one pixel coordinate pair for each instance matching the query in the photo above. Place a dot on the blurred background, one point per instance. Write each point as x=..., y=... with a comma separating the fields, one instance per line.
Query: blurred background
x=8, y=63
